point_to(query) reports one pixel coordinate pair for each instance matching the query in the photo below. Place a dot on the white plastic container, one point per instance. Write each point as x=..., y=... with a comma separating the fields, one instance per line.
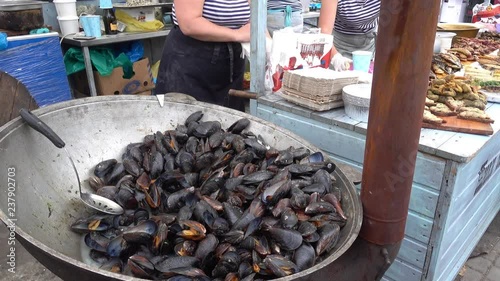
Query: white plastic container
x=68, y=25
x=446, y=38
x=357, y=101
x=65, y=8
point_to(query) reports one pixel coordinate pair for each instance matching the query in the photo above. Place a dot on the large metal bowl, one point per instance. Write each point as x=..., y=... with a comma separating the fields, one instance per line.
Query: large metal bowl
x=94, y=129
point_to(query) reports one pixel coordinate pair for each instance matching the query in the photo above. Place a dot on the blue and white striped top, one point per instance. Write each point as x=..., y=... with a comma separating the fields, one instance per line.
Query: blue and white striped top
x=296, y=5
x=357, y=16
x=228, y=13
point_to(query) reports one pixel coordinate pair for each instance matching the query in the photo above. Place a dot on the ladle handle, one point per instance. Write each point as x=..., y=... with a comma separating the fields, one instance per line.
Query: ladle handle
x=37, y=124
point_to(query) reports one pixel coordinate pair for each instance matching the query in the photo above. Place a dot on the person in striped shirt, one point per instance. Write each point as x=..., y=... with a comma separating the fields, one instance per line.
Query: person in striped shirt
x=354, y=24
x=202, y=53
x=284, y=13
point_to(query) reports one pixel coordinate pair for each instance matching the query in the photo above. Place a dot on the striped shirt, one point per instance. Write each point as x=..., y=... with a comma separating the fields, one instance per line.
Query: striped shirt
x=357, y=16
x=228, y=13
x=296, y=5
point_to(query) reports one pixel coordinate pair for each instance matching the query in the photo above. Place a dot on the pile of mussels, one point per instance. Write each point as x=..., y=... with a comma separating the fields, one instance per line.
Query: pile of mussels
x=203, y=203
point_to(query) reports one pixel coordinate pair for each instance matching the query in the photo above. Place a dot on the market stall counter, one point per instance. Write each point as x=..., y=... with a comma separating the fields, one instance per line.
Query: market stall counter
x=456, y=186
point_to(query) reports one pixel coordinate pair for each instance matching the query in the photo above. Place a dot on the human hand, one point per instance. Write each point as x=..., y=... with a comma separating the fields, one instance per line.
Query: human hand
x=243, y=34
x=340, y=63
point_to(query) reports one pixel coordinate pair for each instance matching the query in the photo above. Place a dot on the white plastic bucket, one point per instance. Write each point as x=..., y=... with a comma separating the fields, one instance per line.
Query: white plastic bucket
x=65, y=8
x=68, y=25
x=446, y=38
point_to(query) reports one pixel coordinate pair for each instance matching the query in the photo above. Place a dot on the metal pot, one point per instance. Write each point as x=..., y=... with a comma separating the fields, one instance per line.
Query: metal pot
x=21, y=15
x=94, y=129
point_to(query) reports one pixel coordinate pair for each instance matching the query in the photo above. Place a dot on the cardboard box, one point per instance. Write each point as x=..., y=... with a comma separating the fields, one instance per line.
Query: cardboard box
x=115, y=84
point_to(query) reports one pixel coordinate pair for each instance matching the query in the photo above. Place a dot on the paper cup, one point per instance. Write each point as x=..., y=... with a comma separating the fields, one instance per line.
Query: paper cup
x=361, y=60
x=65, y=8
x=68, y=25
x=91, y=25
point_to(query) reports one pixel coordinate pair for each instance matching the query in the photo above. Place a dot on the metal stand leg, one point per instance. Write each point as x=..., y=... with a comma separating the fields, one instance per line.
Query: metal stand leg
x=88, y=70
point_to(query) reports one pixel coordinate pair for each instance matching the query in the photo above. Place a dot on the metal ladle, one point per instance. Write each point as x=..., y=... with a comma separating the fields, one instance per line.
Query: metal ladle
x=95, y=201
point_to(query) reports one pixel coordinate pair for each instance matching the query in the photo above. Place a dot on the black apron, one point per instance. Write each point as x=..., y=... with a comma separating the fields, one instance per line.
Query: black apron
x=203, y=70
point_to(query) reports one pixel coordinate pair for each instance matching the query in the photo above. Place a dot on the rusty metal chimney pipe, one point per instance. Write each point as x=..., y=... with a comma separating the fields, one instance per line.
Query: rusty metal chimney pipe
x=402, y=63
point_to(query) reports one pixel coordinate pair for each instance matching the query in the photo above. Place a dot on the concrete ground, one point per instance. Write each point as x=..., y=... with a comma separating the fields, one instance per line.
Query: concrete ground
x=484, y=264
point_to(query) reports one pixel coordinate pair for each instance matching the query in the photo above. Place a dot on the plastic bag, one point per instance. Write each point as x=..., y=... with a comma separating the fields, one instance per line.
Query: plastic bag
x=135, y=25
x=102, y=59
x=292, y=51
x=134, y=50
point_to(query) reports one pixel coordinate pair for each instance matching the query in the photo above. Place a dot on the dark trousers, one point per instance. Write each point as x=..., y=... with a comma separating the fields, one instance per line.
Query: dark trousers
x=203, y=70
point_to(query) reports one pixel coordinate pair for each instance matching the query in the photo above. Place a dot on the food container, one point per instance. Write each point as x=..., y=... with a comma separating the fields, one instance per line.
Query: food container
x=47, y=184
x=357, y=101
x=20, y=15
x=460, y=29
x=445, y=38
x=65, y=8
x=68, y=25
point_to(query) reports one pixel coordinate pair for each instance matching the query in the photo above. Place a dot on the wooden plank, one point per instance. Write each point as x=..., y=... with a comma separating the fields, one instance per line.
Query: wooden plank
x=484, y=164
x=400, y=270
x=430, y=139
x=429, y=170
x=258, y=17
x=8, y=86
x=462, y=147
x=463, y=211
x=423, y=200
x=494, y=110
x=454, y=124
x=412, y=252
x=418, y=227
x=439, y=222
x=455, y=254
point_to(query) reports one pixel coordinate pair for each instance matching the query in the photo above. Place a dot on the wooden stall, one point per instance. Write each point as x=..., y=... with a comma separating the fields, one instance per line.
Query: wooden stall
x=455, y=193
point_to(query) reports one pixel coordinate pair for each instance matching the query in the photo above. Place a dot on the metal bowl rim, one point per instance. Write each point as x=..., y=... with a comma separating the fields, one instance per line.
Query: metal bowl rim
x=356, y=201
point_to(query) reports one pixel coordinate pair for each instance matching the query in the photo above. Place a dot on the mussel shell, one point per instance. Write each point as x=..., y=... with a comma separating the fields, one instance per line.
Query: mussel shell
x=238, y=126
x=167, y=263
x=193, y=117
x=206, y=129
x=141, y=266
x=96, y=182
x=304, y=257
x=132, y=167
x=102, y=169
x=289, y=219
x=141, y=233
x=156, y=163
x=113, y=265
x=116, y=174
x=287, y=238
x=96, y=241
x=186, y=248
x=329, y=236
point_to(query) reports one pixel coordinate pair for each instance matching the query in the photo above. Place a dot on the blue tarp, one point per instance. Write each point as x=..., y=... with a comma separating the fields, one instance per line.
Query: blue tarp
x=38, y=64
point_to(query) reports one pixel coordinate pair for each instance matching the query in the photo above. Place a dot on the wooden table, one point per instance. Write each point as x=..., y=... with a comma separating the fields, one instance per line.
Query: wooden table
x=456, y=186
